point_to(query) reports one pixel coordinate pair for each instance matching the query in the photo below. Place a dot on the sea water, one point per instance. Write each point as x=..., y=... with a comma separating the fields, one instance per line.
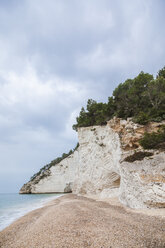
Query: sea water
x=13, y=206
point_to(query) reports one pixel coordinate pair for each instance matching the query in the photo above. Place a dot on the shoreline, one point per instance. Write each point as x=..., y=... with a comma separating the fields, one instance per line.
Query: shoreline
x=72, y=221
x=20, y=209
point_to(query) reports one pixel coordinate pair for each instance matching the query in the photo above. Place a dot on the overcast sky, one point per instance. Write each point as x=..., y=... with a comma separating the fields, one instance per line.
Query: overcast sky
x=56, y=54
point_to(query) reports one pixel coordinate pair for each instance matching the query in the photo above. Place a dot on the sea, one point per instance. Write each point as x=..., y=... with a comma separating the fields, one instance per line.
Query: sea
x=13, y=206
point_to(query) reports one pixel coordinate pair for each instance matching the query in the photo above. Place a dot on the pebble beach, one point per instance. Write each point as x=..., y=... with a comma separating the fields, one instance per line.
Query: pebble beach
x=73, y=221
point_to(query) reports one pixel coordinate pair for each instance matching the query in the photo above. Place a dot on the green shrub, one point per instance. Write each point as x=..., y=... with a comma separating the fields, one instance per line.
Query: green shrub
x=153, y=140
x=142, y=98
x=142, y=118
x=138, y=156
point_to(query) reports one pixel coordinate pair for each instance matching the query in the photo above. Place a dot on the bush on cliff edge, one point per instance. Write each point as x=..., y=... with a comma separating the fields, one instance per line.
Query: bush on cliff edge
x=154, y=140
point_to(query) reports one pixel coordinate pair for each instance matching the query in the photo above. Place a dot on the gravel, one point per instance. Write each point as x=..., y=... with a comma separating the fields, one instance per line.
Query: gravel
x=77, y=222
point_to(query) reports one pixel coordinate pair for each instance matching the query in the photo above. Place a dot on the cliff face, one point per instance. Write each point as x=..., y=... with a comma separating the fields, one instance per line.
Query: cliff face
x=57, y=179
x=143, y=182
x=142, y=172
x=98, y=168
x=109, y=162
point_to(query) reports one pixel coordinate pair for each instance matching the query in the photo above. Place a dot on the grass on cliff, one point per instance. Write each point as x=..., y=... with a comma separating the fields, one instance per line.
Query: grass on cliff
x=44, y=171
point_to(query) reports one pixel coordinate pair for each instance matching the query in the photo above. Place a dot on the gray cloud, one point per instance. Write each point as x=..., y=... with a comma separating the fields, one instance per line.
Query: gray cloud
x=54, y=56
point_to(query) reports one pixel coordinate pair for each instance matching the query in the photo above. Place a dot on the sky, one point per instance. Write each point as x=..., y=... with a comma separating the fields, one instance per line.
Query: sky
x=54, y=56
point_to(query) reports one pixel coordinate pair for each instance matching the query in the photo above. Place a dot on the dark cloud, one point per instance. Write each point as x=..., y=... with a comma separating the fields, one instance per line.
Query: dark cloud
x=54, y=56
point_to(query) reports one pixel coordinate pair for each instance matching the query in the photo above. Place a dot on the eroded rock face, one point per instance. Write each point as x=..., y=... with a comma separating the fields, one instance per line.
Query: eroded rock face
x=59, y=178
x=99, y=167
x=143, y=182
x=130, y=133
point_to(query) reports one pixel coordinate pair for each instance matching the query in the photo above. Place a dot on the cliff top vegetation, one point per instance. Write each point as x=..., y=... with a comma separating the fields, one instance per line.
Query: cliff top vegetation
x=142, y=98
x=154, y=140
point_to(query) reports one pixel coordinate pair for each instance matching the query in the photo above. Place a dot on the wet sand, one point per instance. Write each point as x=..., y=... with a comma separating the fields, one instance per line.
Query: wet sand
x=77, y=222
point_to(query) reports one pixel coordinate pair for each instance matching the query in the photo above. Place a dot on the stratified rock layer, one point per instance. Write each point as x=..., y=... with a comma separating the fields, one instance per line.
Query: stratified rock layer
x=143, y=182
x=99, y=167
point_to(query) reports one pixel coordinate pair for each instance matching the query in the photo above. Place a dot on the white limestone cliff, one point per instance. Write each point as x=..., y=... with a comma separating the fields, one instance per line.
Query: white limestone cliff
x=143, y=182
x=57, y=179
x=100, y=167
